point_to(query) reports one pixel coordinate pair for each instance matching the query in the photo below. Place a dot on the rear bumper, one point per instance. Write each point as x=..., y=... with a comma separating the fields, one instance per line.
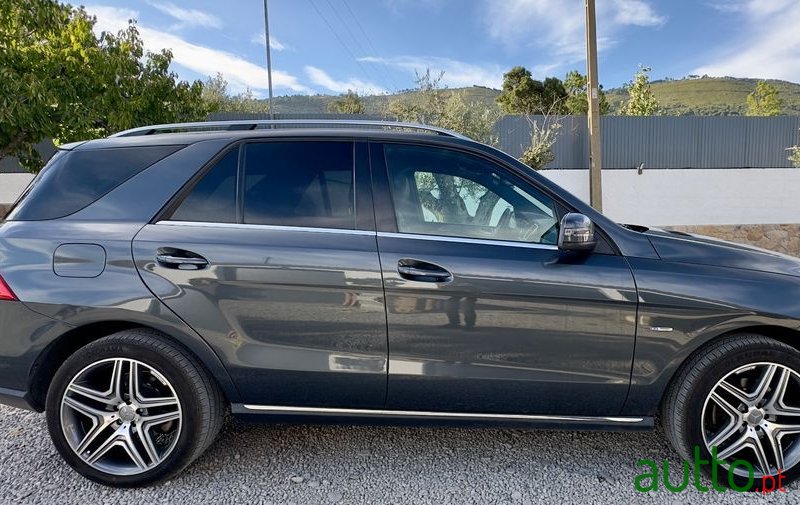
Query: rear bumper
x=15, y=398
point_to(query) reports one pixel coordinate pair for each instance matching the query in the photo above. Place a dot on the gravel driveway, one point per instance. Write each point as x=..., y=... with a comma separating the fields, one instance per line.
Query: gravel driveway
x=342, y=464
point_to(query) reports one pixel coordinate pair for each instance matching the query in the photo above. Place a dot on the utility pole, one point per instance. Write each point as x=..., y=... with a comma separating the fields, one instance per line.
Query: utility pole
x=269, y=59
x=593, y=94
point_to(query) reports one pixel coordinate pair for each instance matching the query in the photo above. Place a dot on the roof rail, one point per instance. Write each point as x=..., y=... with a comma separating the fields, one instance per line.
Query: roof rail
x=255, y=124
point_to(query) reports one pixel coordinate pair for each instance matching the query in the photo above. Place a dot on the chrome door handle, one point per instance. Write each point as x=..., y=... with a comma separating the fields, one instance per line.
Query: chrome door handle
x=182, y=260
x=422, y=271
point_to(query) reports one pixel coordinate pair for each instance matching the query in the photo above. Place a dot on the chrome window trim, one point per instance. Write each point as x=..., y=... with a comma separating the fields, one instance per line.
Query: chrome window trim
x=482, y=241
x=281, y=409
x=273, y=227
x=343, y=231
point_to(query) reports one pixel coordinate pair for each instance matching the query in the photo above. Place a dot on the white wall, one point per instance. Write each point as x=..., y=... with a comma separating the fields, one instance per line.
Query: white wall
x=11, y=185
x=693, y=196
x=657, y=197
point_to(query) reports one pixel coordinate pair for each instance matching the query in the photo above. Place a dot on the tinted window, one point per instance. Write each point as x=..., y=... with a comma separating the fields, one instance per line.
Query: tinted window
x=299, y=184
x=443, y=192
x=213, y=198
x=78, y=178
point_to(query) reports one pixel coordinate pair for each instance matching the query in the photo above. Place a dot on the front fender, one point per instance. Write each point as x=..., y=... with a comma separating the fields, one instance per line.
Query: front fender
x=684, y=306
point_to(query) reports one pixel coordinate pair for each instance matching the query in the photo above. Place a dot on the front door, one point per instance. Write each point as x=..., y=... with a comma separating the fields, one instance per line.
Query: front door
x=282, y=281
x=484, y=313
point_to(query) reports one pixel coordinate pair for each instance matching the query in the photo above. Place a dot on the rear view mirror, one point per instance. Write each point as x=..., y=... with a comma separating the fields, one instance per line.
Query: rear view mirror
x=576, y=233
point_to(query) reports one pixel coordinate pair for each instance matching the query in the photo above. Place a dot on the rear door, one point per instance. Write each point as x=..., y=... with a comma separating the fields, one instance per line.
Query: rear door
x=484, y=314
x=271, y=256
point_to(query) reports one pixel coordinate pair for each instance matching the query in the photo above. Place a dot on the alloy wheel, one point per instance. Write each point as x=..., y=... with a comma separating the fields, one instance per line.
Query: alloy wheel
x=753, y=414
x=121, y=416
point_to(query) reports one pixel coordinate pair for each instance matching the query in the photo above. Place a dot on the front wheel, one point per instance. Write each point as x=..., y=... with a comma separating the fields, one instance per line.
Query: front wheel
x=739, y=399
x=132, y=409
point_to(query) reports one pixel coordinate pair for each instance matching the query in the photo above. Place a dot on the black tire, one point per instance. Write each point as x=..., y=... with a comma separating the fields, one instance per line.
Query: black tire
x=686, y=397
x=201, y=403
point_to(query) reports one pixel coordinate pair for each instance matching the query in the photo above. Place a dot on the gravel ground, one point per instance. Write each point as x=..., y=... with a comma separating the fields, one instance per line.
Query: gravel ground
x=341, y=464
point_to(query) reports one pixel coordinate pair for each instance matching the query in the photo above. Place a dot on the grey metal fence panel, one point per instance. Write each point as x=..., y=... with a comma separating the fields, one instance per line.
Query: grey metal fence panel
x=627, y=142
x=666, y=141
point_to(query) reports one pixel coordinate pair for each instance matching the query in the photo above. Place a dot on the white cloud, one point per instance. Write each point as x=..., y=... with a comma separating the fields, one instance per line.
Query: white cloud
x=456, y=73
x=323, y=79
x=557, y=24
x=557, y=27
x=274, y=44
x=186, y=17
x=768, y=46
x=637, y=12
x=239, y=73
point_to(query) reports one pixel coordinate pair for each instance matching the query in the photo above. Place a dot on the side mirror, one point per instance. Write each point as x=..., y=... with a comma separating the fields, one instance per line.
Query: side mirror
x=576, y=233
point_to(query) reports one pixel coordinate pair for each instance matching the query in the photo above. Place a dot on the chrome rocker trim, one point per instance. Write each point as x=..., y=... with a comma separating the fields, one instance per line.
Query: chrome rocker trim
x=641, y=422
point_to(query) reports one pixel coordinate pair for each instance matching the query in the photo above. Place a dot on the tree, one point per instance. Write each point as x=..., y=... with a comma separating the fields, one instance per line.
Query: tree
x=430, y=103
x=577, y=102
x=522, y=94
x=765, y=100
x=215, y=93
x=641, y=99
x=349, y=103
x=217, y=99
x=543, y=138
x=59, y=80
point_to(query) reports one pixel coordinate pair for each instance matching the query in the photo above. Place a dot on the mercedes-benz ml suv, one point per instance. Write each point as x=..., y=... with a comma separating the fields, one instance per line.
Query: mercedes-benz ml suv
x=340, y=272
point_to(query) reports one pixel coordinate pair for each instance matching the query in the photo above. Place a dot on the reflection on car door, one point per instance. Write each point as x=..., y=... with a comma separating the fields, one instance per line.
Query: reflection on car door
x=484, y=313
x=284, y=282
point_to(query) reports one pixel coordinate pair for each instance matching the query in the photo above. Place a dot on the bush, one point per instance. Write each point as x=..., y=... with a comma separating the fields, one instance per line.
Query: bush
x=794, y=157
x=543, y=138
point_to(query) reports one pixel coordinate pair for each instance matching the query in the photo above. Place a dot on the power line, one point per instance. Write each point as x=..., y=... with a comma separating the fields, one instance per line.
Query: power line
x=347, y=28
x=360, y=27
x=358, y=44
x=338, y=38
x=369, y=43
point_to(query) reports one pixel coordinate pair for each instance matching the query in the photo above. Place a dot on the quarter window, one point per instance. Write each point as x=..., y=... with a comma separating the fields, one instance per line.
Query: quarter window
x=213, y=198
x=443, y=192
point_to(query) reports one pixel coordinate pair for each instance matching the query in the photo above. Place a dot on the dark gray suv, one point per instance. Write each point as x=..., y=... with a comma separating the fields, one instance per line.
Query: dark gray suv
x=373, y=271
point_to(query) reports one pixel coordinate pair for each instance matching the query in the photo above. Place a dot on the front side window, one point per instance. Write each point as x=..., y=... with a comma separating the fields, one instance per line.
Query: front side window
x=306, y=184
x=449, y=193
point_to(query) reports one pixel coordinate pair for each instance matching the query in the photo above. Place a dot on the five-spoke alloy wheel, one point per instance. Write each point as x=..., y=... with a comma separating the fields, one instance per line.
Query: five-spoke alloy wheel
x=121, y=416
x=738, y=399
x=132, y=409
x=753, y=414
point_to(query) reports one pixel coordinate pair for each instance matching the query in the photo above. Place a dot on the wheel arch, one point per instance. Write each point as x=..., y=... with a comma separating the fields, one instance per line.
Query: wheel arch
x=44, y=367
x=784, y=334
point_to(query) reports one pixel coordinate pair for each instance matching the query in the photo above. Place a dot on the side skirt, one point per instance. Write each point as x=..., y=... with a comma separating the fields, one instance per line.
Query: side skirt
x=280, y=413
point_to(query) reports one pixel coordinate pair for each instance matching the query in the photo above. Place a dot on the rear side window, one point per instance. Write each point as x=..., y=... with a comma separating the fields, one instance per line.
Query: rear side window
x=79, y=178
x=213, y=198
x=306, y=184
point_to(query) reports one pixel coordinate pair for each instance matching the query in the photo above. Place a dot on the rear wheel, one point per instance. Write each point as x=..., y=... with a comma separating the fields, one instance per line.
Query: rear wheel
x=132, y=409
x=740, y=398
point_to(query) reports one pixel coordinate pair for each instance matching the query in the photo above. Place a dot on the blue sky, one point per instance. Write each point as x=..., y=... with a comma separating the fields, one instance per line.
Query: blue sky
x=375, y=46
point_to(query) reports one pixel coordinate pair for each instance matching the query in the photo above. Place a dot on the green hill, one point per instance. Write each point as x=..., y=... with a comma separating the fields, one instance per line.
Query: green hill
x=706, y=96
x=373, y=104
x=711, y=96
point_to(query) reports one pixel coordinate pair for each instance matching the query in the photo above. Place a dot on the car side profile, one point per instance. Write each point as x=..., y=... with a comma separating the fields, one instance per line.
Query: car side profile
x=351, y=271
